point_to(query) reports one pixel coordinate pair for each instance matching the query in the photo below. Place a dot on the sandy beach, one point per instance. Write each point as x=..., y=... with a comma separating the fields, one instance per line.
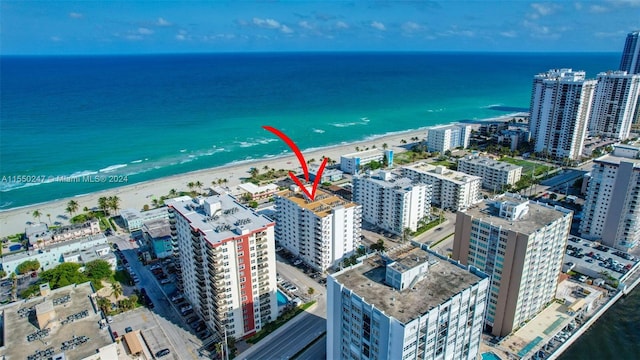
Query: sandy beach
x=138, y=195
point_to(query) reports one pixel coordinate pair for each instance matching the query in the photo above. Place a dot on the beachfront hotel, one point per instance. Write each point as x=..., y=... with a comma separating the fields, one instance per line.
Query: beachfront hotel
x=561, y=102
x=612, y=206
x=520, y=244
x=227, y=255
x=448, y=137
x=614, y=103
x=496, y=175
x=390, y=202
x=450, y=189
x=406, y=304
x=353, y=163
x=630, y=61
x=320, y=232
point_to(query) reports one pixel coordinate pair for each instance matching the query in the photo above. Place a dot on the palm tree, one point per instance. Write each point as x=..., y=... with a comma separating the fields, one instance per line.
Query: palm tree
x=199, y=185
x=116, y=289
x=225, y=180
x=49, y=216
x=191, y=185
x=385, y=146
x=36, y=214
x=103, y=304
x=73, y=205
x=406, y=234
x=69, y=210
x=266, y=167
x=114, y=203
x=155, y=203
x=103, y=204
x=173, y=192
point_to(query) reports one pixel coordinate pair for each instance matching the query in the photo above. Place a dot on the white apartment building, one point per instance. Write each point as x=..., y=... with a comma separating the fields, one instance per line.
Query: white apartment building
x=560, y=107
x=53, y=255
x=407, y=304
x=353, y=163
x=390, y=202
x=320, y=232
x=448, y=137
x=611, y=210
x=520, y=245
x=496, y=175
x=449, y=189
x=614, y=103
x=227, y=256
x=134, y=219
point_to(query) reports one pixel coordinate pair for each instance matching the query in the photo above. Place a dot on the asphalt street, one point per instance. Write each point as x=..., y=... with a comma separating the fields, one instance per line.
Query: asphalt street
x=317, y=351
x=171, y=323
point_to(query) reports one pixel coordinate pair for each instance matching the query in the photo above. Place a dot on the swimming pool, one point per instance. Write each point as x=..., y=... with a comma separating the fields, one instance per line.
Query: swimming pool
x=490, y=356
x=282, y=299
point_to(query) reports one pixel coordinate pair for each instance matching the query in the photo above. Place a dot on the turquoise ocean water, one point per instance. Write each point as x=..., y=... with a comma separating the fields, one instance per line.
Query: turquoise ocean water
x=148, y=117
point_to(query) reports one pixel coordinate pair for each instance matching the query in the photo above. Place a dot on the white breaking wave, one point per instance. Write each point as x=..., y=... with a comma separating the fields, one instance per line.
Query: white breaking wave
x=112, y=168
x=319, y=131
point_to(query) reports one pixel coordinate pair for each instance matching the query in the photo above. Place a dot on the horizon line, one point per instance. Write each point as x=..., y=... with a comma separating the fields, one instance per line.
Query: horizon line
x=249, y=52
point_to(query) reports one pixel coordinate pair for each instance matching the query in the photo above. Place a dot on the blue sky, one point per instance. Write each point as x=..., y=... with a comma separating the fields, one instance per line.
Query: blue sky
x=122, y=27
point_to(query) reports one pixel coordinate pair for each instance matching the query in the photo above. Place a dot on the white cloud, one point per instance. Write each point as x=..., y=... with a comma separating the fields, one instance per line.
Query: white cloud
x=598, y=9
x=55, y=39
x=509, y=34
x=181, y=37
x=631, y=3
x=544, y=9
x=378, y=25
x=342, y=25
x=410, y=26
x=134, y=37
x=75, y=15
x=266, y=23
x=163, y=22
x=285, y=29
x=145, y=31
x=613, y=34
x=305, y=25
x=539, y=31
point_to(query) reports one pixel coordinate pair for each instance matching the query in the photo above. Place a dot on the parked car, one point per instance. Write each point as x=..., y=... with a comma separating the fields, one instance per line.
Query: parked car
x=115, y=334
x=128, y=329
x=165, y=281
x=163, y=352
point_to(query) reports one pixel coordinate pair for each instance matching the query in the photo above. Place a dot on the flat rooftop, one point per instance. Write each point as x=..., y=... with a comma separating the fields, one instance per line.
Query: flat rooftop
x=399, y=182
x=17, y=328
x=322, y=205
x=537, y=216
x=616, y=160
x=442, y=281
x=231, y=220
x=157, y=228
x=365, y=154
x=442, y=173
x=489, y=162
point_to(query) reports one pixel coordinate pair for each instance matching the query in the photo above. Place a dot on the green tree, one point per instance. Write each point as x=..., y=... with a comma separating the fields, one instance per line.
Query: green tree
x=63, y=274
x=385, y=146
x=49, y=216
x=378, y=246
x=310, y=291
x=73, y=206
x=114, y=203
x=199, y=184
x=253, y=204
x=103, y=204
x=254, y=172
x=173, y=193
x=27, y=266
x=37, y=214
x=116, y=289
x=406, y=234
x=98, y=270
x=3, y=274
x=104, y=304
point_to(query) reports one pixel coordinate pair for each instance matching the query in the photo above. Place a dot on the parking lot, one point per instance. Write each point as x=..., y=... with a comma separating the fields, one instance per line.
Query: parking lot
x=594, y=260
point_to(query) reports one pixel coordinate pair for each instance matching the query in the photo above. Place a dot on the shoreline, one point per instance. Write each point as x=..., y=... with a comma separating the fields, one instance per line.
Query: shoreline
x=14, y=220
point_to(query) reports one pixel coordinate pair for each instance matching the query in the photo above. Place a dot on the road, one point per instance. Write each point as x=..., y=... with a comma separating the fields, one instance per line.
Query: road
x=317, y=351
x=298, y=332
x=172, y=325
